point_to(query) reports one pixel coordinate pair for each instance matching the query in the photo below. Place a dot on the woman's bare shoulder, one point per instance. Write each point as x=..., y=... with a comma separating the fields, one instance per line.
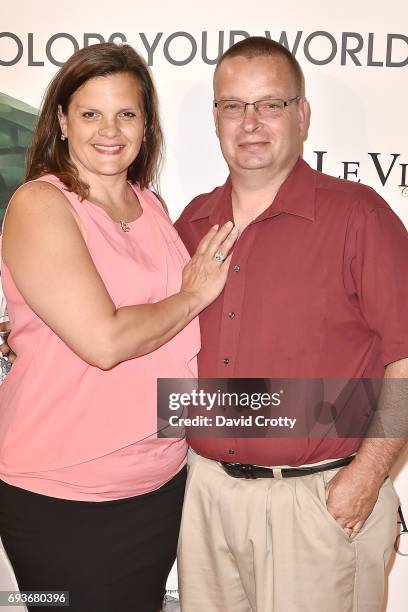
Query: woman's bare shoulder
x=38, y=200
x=36, y=192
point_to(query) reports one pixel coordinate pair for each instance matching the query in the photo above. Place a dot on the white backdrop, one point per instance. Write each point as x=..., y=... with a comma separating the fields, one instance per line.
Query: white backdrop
x=354, y=56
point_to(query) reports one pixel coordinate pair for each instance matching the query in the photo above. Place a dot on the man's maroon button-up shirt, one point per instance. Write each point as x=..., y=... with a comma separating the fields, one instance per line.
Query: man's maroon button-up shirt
x=317, y=288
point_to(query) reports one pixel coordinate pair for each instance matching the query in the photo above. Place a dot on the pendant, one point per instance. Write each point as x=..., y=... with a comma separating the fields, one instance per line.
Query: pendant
x=125, y=227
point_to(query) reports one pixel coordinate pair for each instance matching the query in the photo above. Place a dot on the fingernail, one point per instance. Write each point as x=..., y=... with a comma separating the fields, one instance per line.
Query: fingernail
x=229, y=224
x=216, y=226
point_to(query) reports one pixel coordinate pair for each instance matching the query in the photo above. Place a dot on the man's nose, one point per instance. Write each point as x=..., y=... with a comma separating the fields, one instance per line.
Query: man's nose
x=250, y=118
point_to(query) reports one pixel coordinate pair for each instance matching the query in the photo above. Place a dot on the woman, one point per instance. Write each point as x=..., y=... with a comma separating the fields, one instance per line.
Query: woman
x=100, y=307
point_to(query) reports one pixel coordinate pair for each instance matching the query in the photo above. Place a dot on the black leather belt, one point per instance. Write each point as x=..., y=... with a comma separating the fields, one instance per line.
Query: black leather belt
x=244, y=470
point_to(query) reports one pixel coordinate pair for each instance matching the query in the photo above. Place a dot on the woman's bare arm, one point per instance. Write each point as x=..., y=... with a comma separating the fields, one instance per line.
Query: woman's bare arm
x=51, y=266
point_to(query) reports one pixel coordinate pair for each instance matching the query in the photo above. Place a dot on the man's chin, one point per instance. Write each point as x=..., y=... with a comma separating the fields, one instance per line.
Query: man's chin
x=254, y=164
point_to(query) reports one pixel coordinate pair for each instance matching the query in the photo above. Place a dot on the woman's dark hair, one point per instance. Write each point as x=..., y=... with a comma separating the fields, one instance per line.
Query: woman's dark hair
x=49, y=154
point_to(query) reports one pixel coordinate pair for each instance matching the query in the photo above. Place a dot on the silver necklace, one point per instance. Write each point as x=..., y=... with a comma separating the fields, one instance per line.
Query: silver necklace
x=124, y=225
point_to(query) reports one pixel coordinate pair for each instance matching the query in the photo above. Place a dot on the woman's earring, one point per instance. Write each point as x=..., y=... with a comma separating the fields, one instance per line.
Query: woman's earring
x=63, y=137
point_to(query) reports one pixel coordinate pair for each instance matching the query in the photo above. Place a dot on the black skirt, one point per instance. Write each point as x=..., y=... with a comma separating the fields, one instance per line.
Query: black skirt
x=111, y=556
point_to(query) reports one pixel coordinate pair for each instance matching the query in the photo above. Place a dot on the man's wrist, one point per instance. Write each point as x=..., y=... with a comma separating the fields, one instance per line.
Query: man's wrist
x=369, y=471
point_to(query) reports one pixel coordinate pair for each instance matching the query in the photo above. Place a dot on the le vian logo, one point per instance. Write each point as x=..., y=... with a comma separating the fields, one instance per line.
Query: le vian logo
x=385, y=166
x=401, y=543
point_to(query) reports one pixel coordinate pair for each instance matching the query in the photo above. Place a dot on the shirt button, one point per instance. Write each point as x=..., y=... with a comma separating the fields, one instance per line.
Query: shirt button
x=231, y=452
x=237, y=268
x=226, y=360
x=231, y=315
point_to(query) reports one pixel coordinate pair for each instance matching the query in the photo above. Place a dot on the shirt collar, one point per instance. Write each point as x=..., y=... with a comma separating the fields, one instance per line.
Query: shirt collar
x=296, y=196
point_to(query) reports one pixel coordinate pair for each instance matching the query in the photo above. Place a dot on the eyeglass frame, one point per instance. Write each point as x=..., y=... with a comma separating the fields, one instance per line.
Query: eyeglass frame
x=245, y=104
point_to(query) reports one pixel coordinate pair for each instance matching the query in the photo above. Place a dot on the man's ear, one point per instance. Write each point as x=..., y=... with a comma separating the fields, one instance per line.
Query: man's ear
x=62, y=121
x=216, y=117
x=304, y=117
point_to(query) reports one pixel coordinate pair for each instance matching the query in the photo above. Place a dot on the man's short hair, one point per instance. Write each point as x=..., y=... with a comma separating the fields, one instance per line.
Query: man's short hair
x=256, y=46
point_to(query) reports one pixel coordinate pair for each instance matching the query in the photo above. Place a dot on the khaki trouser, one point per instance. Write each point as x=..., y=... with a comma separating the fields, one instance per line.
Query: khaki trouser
x=270, y=545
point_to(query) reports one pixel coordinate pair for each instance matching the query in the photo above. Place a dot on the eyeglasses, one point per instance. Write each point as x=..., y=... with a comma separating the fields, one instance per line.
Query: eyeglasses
x=270, y=107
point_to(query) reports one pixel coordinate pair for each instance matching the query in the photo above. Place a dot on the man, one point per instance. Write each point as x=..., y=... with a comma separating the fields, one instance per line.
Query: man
x=316, y=289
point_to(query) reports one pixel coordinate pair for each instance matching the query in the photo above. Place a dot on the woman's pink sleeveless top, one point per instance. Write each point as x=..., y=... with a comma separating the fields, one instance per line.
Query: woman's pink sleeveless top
x=69, y=429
